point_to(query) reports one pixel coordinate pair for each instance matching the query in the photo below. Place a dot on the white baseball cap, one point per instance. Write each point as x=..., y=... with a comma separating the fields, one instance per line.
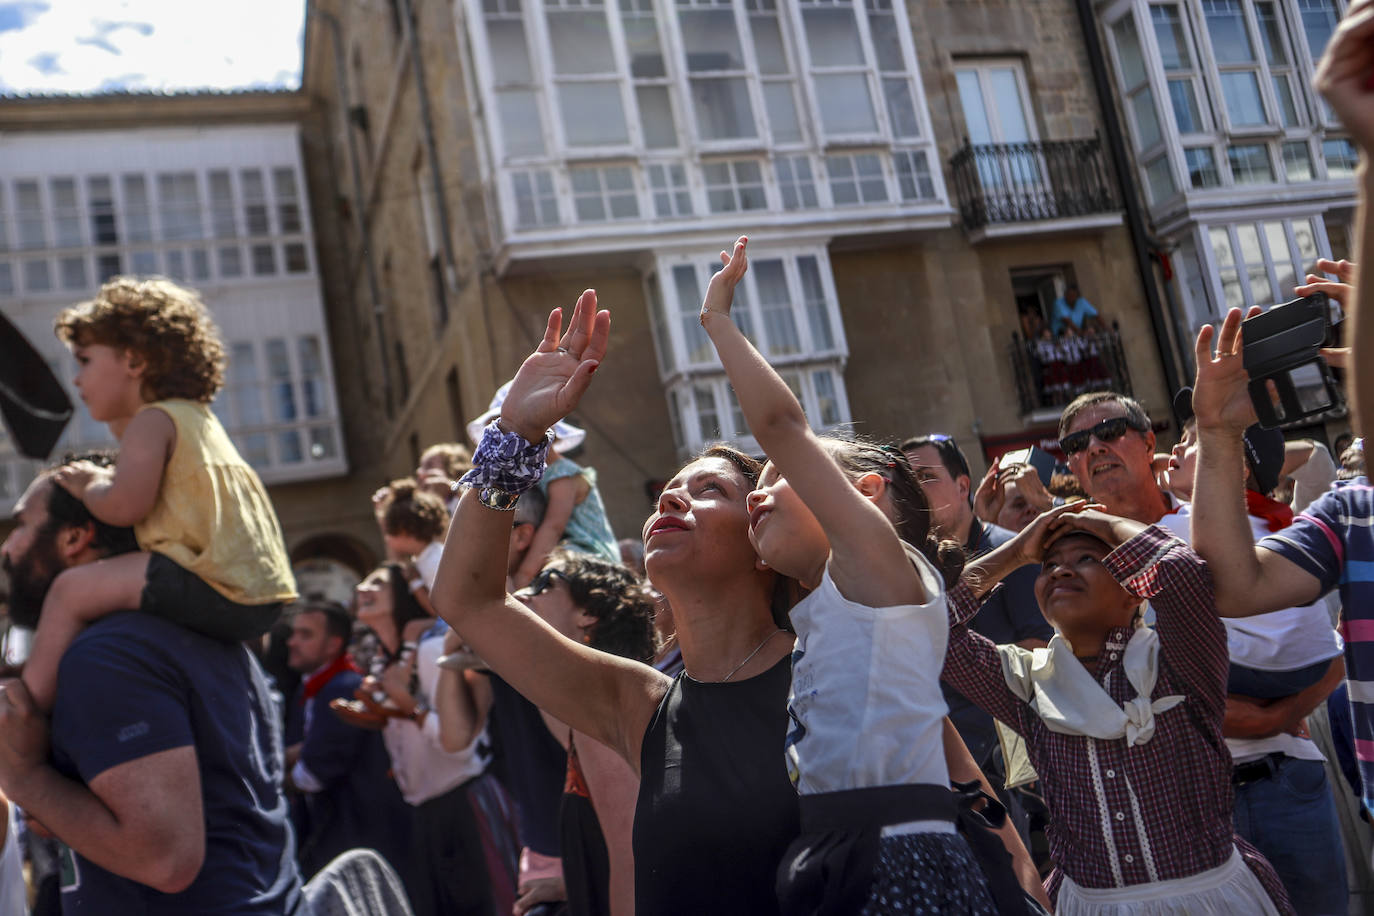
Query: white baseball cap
x=566, y=437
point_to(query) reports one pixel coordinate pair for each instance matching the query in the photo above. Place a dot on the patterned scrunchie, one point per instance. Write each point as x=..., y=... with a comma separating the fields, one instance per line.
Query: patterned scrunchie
x=506, y=461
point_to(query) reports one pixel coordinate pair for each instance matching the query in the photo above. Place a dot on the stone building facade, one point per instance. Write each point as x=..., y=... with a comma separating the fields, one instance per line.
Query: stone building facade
x=911, y=178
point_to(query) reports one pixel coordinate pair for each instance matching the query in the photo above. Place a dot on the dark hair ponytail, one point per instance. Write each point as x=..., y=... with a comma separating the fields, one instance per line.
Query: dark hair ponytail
x=911, y=510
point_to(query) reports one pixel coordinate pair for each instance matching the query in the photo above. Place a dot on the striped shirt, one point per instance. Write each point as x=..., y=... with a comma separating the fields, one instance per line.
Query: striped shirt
x=1334, y=541
x=1157, y=811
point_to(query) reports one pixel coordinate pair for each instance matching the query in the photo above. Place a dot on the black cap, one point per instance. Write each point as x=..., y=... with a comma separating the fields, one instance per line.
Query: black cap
x=1264, y=448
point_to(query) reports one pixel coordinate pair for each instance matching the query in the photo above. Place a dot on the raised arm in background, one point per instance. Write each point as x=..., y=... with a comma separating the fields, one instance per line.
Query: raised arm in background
x=605, y=696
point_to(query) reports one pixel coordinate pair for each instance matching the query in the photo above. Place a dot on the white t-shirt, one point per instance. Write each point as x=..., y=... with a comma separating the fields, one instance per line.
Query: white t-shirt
x=866, y=705
x=423, y=769
x=1279, y=641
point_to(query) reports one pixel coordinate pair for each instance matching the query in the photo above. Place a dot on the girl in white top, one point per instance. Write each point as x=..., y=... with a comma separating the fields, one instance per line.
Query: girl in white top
x=865, y=750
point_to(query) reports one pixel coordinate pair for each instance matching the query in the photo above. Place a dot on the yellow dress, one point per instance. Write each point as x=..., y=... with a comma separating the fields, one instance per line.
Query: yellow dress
x=212, y=516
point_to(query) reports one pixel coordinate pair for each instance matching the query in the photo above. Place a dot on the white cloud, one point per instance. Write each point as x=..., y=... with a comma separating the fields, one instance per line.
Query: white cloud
x=92, y=45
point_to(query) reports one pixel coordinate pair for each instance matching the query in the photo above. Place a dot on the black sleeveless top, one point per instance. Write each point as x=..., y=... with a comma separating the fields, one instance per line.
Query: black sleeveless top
x=716, y=810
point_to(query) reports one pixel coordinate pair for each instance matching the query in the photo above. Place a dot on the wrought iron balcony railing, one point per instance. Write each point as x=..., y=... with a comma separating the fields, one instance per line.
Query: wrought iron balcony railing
x=1052, y=371
x=1021, y=182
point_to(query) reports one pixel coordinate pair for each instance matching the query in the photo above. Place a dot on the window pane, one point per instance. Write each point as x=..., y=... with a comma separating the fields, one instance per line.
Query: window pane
x=1226, y=26
x=913, y=175
x=1242, y=98
x=1160, y=180
x=658, y=324
x=824, y=383
x=768, y=46
x=782, y=112
x=722, y=109
x=312, y=374
x=230, y=262
x=73, y=271
x=100, y=196
x=1202, y=167
x=1277, y=240
x=694, y=338
x=264, y=260
x=28, y=216
x=520, y=125
x=708, y=420
x=66, y=219
x=1271, y=35
x=145, y=262
x=1173, y=45
x=1256, y=273
x=1146, y=121
x=580, y=39
x=179, y=205
x=6, y=279
x=1250, y=164
x=641, y=39
x=775, y=304
x=1184, y=101
x=1128, y=51
x=243, y=385
x=817, y=313
x=1297, y=161
x=846, y=107
x=833, y=37
x=509, y=54
x=1318, y=22
x=255, y=216
x=656, y=117
x=279, y=376
x=297, y=262
x=901, y=109
x=221, y=205
x=37, y=276
x=592, y=114
x=106, y=266
x=976, y=118
x=136, y=218
x=288, y=205
x=710, y=39
x=887, y=45
x=1283, y=94
x=1341, y=158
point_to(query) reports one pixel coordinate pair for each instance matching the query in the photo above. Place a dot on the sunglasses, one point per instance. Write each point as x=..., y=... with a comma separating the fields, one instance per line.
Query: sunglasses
x=543, y=582
x=1106, y=431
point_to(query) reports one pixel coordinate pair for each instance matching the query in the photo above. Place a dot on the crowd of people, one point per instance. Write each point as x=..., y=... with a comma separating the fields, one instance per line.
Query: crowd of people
x=842, y=677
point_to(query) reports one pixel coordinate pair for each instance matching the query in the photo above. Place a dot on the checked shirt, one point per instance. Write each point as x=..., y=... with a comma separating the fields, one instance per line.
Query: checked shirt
x=1157, y=811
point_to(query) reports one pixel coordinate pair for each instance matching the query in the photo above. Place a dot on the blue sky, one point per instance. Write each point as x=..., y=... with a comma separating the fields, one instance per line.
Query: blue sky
x=167, y=45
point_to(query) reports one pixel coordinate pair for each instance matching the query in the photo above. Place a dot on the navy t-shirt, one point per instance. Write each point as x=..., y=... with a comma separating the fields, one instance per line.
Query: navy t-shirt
x=1009, y=615
x=132, y=686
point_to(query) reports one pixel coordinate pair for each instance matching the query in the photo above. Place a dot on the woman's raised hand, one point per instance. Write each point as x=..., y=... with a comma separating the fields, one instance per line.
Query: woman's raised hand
x=554, y=377
x=720, y=292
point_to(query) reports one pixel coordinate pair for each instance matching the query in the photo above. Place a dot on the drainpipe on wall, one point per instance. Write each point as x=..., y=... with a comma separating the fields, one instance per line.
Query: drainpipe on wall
x=431, y=148
x=359, y=202
x=1135, y=218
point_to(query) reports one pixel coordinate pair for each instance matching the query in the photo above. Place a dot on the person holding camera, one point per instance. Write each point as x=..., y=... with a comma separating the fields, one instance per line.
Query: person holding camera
x=1331, y=544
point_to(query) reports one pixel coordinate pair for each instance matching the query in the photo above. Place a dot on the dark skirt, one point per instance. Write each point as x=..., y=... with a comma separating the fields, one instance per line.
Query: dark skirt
x=841, y=863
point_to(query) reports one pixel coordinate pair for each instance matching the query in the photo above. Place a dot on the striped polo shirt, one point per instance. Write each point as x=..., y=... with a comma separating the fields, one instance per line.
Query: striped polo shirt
x=1334, y=541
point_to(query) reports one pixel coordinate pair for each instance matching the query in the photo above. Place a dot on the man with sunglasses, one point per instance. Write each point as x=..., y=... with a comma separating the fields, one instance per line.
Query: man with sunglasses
x=1107, y=441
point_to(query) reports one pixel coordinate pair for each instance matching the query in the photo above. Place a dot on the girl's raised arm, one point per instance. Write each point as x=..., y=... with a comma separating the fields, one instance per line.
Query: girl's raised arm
x=607, y=697
x=868, y=563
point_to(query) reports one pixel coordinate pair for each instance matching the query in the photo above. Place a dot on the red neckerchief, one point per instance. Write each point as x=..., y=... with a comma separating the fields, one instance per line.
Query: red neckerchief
x=1275, y=513
x=315, y=683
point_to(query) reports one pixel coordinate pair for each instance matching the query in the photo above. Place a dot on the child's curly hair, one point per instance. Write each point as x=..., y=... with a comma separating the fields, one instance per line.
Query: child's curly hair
x=166, y=325
x=411, y=511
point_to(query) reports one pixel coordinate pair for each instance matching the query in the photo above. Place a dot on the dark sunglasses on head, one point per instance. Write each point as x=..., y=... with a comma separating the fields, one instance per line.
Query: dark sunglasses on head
x=1107, y=431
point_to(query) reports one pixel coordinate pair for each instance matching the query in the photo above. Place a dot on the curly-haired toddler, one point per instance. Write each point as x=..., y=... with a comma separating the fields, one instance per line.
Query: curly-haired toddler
x=212, y=556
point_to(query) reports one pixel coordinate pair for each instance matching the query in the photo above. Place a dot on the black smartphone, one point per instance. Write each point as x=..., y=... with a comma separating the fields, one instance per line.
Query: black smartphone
x=1289, y=380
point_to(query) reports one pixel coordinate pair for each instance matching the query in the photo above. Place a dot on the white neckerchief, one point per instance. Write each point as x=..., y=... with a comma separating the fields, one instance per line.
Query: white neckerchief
x=1069, y=700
